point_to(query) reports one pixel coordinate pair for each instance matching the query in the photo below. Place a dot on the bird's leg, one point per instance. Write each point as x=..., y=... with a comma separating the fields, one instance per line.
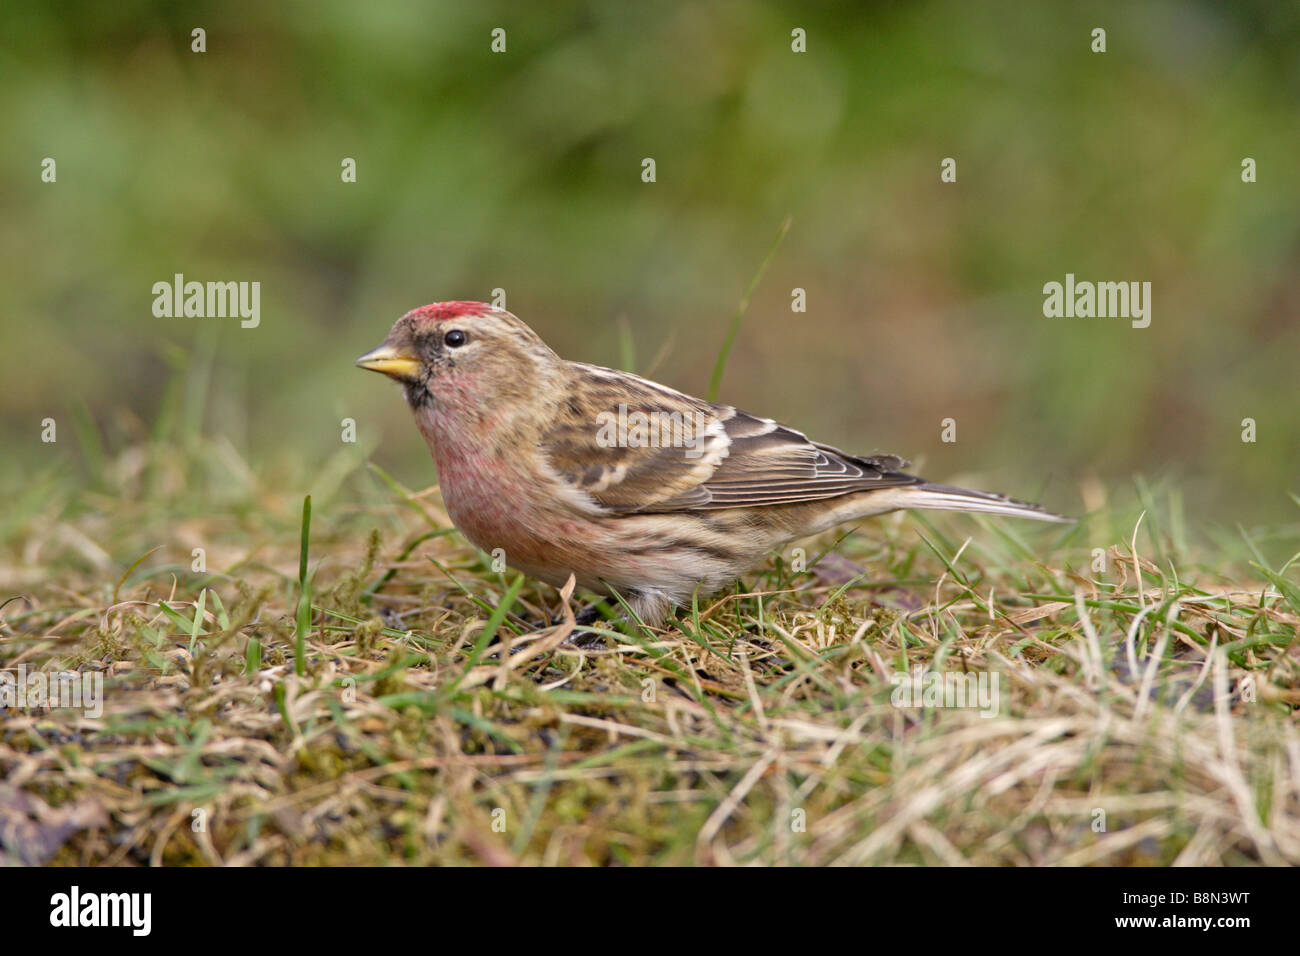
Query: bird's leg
x=590, y=615
x=599, y=611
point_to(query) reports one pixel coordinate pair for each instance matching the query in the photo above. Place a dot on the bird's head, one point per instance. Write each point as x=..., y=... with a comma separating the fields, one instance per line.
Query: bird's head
x=461, y=354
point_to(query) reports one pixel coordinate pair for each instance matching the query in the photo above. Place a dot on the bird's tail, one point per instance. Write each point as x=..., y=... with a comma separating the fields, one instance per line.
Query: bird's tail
x=947, y=498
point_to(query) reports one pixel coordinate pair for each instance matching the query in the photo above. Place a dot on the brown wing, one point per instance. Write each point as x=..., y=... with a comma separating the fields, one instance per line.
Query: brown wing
x=665, y=451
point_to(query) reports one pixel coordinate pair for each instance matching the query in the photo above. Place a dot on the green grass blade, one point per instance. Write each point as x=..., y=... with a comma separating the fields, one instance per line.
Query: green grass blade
x=734, y=329
x=304, y=594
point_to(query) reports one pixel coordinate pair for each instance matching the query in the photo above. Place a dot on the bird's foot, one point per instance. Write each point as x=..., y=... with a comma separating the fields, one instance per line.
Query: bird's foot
x=589, y=616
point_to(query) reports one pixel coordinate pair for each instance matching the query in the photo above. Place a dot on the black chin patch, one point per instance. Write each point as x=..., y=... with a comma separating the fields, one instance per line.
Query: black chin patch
x=417, y=394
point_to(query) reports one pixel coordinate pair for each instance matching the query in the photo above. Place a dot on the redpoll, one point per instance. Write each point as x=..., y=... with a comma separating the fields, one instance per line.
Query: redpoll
x=627, y=484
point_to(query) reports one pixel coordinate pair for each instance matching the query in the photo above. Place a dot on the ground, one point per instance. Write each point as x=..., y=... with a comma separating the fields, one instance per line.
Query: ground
x=1144, y=710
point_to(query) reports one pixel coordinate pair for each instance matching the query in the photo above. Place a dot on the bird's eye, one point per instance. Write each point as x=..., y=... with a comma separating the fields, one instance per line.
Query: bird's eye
x=454, y=339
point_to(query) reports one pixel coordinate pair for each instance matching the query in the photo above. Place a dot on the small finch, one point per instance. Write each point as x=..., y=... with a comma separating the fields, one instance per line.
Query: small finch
x=620, y=481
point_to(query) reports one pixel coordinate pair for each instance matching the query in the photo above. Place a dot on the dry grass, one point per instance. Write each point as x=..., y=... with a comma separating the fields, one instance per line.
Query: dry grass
x=1146, y=714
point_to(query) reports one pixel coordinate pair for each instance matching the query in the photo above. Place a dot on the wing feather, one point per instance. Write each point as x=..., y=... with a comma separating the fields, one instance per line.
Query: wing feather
x=634, y=446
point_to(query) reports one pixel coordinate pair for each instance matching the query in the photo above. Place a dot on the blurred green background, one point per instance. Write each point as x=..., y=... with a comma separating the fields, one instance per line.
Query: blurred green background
x=522, y=171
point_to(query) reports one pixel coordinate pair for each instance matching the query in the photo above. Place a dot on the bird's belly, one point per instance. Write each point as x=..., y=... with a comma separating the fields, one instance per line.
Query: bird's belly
x=507, y=520
x=499, y=512
x=550, y=546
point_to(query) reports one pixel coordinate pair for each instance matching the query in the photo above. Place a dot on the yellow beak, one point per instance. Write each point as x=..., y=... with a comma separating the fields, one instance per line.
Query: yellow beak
x=391, y=362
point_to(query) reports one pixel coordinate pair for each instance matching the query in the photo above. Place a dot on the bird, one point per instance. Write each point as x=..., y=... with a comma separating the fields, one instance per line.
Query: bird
x=637, y=490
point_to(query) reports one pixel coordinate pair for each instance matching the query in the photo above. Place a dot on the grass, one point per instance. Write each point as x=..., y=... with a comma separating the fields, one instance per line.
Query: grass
x=360, y=711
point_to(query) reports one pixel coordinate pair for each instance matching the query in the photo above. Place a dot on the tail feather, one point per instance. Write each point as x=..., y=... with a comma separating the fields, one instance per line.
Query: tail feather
x=947, y=498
